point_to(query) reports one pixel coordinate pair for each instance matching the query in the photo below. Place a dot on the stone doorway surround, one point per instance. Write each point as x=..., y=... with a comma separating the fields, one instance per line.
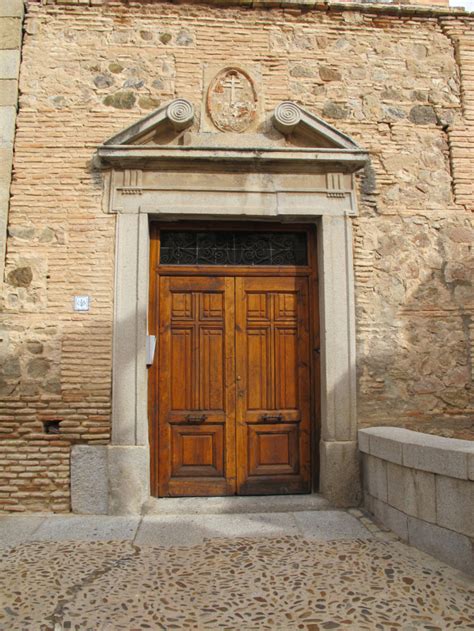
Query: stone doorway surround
x=299, y=168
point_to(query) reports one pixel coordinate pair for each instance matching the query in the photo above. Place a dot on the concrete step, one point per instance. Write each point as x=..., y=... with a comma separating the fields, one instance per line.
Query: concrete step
x=234, y=504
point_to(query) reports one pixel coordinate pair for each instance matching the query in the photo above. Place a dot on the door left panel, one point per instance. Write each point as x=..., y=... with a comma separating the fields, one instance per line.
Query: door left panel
x=196, y=407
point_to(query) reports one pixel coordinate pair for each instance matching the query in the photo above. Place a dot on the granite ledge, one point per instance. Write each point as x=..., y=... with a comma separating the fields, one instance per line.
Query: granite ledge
x=451, y=457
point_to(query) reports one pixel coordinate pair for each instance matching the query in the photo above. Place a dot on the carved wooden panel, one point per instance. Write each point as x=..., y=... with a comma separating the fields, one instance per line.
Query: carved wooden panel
x=197, y=451
x=273, y=450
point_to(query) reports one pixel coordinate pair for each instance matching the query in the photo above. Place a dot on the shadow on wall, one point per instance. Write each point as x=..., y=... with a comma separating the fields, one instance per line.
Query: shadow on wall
x=415, y=323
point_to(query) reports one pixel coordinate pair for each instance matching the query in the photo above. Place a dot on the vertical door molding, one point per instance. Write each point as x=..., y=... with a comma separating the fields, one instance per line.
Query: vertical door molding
x=128, y=455
x=338, y=448
x=129, y=383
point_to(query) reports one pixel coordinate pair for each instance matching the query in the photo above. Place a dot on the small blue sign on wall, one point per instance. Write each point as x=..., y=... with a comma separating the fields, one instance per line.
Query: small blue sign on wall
x=81, y=303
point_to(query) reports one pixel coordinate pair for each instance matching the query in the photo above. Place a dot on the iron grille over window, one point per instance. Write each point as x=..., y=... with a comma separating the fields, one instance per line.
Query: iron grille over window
x=227, y=248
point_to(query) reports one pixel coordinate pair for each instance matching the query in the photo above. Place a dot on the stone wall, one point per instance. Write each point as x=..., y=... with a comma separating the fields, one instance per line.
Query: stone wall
x=400, y=81
x=422, y=488
x=11, y=19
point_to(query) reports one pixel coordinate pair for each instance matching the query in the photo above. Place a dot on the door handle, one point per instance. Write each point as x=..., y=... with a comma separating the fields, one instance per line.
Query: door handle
x=268, y=418
x=195, y=419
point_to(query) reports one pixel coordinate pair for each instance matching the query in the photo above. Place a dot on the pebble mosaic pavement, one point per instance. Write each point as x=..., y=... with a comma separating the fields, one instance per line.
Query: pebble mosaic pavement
x=282, y=583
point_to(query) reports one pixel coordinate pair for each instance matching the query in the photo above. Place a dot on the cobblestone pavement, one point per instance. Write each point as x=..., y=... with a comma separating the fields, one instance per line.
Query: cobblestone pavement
x=275, y=581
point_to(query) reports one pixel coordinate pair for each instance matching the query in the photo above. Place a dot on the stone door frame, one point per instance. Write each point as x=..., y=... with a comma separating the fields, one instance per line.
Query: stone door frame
x=145, y=183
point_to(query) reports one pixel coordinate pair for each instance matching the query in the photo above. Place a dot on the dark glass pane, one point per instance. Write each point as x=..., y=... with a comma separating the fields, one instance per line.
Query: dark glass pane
x=227, y=248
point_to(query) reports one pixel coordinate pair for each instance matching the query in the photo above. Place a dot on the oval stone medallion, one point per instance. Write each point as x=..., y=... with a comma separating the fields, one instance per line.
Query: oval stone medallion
x=232, y=100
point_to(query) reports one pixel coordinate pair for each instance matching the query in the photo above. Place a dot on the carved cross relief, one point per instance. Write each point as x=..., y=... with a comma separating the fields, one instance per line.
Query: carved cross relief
x=232, y=100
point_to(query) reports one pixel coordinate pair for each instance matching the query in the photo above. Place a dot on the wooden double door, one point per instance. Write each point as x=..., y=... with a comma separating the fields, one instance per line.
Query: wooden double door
x=233, y=381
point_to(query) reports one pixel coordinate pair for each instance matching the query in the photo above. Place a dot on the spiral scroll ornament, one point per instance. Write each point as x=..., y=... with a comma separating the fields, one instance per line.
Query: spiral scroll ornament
x=287, y=116
x=180, y=113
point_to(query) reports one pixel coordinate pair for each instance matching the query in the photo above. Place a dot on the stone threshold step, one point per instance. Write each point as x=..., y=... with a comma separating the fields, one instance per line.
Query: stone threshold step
x=234, y=505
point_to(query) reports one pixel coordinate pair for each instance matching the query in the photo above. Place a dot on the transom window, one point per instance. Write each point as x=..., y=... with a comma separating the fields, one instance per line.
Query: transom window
x=233, y=248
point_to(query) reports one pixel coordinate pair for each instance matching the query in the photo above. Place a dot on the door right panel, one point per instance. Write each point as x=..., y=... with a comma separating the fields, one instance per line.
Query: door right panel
x=273, y=385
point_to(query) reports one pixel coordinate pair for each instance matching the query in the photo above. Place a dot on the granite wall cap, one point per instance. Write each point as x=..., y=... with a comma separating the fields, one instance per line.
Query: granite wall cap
x=437, y=454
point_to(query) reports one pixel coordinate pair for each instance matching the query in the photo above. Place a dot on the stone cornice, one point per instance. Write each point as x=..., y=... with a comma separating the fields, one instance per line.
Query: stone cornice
x=326, y=144
x=391, y=9
x=124, y=155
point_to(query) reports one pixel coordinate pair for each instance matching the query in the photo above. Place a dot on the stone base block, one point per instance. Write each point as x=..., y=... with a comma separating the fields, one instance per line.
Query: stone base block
x=129, y=479
x=109, y=480
x=89, y=483
x=449, y=546
x=340, y=473
x=390, y=517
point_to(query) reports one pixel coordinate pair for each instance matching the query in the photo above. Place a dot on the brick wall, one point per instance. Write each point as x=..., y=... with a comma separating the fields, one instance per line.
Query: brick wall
x=400, y=84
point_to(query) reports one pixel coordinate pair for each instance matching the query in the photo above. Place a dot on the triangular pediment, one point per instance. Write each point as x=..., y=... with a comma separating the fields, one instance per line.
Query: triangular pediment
x=165, y=121
x=305, y=128
x=293, y=134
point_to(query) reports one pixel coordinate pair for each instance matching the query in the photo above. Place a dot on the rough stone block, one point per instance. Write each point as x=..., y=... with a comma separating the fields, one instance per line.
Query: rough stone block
x=390, y=517
x=455, y=504
x=12, y=8
x=447, y=545
x=375, y=477
x=8, y=92
x=340, y=473
x=10, y=32
x=9, y=64
x=128, y=474
x=89, y=484
x=411, y=491
x=7, y=126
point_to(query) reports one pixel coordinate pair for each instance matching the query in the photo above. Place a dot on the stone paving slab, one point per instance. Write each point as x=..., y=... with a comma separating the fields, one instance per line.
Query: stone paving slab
x=330, y=525
x=87, y=528
x=18, y=529
x=194, y=529
x=172, y=530
x=236, y=504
